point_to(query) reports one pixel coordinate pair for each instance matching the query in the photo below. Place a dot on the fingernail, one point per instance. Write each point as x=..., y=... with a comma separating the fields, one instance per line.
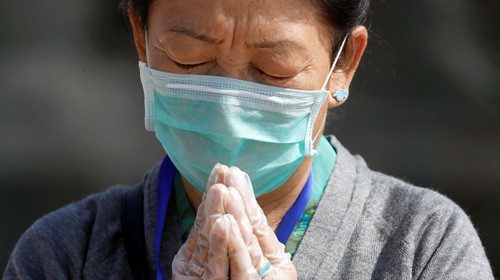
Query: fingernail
x=234, y=194
x=227, y=221
x=212, y=176
x=235, y=168
x=217, y=231
x=219, y=220
x=247, y=179
x=227, y=177
x=234, y=174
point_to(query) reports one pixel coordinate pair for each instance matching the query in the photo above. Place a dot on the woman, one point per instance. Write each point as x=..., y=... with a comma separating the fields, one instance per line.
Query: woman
x=237, y=92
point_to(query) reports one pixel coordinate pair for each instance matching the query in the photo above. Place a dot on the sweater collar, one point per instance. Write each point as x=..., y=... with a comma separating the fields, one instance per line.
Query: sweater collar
x=336, y=216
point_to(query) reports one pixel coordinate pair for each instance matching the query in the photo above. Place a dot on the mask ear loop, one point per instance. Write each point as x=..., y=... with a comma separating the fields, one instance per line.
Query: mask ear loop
x=337, y=56
x=334, y=63
x=146, y=80
x=146, y=46
x=319, y=131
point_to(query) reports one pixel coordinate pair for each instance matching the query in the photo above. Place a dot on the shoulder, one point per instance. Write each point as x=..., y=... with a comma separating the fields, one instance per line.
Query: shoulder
x=394, y=196
x=434, y=229
x=388, y=199
x=413, y=213
x=59, y=242
x=80, y=217
x=416, y=228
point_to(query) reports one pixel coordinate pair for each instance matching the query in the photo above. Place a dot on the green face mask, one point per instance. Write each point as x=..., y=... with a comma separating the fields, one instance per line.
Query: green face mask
x=202, y=120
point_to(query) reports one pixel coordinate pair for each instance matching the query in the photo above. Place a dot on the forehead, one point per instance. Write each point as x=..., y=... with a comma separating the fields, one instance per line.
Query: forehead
x=251, y=18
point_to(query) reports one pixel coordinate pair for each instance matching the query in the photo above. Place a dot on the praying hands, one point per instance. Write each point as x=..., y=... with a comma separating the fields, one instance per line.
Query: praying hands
x=231, y=238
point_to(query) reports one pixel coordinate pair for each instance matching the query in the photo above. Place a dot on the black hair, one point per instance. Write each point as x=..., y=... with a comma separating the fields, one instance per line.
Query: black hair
x=341, y=15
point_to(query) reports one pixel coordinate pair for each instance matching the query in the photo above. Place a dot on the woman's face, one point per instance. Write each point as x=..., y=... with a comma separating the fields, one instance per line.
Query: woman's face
x=282, y=43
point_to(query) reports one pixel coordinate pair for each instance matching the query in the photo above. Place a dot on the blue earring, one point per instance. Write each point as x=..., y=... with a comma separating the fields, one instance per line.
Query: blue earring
x=340, y=95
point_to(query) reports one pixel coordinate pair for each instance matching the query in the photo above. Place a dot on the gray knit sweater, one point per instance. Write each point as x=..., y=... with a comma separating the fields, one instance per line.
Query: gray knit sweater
x=367, y=226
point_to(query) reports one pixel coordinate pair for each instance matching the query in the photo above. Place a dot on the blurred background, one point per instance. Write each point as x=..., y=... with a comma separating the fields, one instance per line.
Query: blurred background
x=425, y=106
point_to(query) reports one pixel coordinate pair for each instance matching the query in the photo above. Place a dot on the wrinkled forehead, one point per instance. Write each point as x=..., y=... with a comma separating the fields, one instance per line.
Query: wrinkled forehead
x=251, y=19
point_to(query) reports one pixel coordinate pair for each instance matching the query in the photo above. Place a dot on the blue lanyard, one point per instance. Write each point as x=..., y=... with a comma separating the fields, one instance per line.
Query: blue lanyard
x=166, y=184
x=292, y=216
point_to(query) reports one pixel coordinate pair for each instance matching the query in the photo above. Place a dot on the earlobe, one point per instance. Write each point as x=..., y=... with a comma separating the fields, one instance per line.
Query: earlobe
x=340, y=95
x=337, y=97
x=138, y=34
x=338, y=89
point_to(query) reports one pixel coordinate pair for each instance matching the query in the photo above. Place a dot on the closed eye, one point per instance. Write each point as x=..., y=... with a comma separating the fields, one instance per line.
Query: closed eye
x=188, y=66
x=277, y=78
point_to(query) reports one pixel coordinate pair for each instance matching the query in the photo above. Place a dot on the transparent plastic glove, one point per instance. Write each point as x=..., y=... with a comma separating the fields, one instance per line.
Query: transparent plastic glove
x=203, y=256
x=231, y=235
x=255, y=237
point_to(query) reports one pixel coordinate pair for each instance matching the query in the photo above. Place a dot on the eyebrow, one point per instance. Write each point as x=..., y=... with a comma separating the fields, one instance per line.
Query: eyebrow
x=283, y=44
x=196, y=35
x=267, y=44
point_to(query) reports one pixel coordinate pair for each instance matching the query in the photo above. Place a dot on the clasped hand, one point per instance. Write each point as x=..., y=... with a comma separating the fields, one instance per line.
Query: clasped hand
x=231, y=237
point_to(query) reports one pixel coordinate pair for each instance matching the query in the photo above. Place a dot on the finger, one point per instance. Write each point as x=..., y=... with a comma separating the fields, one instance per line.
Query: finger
x=217, y=265
x=235, y=206
x=213, y=209
x=186, y=251
x=273, y=250
x=184, y=255
x=281, y=272
x=179, y=272
x=240, y=264
x=217, y=175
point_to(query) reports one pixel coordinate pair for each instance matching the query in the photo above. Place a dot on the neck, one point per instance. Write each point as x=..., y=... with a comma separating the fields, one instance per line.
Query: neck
x=274, y=204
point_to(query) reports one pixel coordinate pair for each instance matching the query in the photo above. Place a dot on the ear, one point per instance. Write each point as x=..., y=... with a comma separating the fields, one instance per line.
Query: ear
x=139, y=34
x=354, y=49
